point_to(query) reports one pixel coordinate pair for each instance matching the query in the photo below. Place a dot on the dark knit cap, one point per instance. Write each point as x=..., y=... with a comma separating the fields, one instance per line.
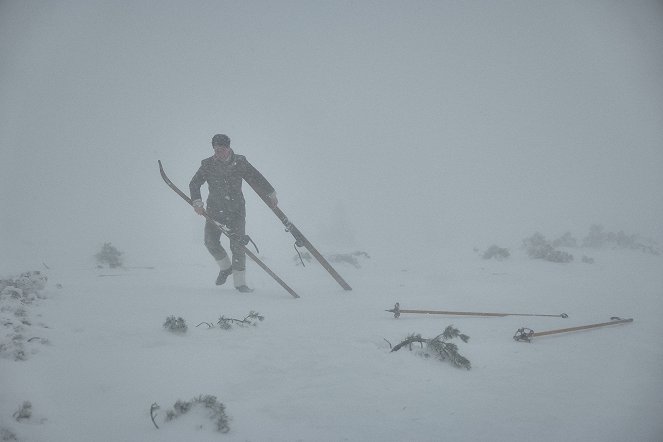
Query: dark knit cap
x=221, y=140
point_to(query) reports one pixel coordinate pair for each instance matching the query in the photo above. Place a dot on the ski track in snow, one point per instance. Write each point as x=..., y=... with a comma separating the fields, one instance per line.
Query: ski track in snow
x=319, y=368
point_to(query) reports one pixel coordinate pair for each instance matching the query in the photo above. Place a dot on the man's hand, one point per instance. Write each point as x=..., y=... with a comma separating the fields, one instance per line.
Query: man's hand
x=198, y=206
x=272, y=200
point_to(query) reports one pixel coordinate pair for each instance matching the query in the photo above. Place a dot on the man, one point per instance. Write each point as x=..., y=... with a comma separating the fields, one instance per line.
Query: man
x=224, y=172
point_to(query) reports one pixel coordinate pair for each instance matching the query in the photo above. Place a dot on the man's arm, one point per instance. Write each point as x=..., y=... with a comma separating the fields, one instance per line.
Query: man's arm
x=260, y=184
x=194, y=190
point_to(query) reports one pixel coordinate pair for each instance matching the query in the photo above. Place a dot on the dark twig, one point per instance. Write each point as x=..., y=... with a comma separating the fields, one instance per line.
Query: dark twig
x=154, y=408
x=206, y=323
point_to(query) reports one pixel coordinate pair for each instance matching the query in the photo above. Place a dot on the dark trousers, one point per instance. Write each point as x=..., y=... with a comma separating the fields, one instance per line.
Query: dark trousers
x=235, y=224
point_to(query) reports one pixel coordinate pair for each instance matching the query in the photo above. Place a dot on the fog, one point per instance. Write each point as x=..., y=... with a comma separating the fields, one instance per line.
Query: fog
x=383, y=125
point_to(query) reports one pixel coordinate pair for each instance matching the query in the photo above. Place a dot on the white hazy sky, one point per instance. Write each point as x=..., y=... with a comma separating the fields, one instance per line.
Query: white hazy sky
x=422, y=122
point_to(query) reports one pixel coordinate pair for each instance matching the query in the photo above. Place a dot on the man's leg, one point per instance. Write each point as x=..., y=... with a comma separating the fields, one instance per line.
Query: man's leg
x=238, y=229
x=213, y=244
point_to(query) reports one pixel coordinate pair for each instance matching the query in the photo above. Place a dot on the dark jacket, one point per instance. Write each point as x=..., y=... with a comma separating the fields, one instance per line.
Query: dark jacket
x=224, y=180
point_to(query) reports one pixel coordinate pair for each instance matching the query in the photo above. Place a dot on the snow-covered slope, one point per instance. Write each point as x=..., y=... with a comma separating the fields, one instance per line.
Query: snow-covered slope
x=319, y=368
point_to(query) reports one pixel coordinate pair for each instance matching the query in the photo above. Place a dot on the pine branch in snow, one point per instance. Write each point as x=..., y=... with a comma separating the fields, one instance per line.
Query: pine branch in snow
x=439, y=346
x=251, y=319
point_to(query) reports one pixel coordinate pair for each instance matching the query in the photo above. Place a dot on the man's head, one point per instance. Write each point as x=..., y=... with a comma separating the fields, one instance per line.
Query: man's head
x=220, y=140
x=221, y=145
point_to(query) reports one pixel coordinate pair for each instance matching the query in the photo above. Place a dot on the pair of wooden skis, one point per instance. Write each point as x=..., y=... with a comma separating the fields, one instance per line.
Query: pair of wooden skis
x=522, y=334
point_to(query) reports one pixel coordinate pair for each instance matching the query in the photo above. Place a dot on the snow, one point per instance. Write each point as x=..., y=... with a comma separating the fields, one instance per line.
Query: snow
x=320, y=368
x=416, y=132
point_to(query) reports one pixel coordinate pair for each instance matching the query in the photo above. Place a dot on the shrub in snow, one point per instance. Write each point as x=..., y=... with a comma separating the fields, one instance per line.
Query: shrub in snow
x=251, y=319
x=598, y=238
x=496, y=252
x=215, y=410
x=175, y=325
x=538, y=247
x=24, y=412
x=566, y=240
x=439, y=346
x=587, y=259
x=16, y=296
x=6, y=434
x=25, y=285
x=559, y=256
x=109, y=255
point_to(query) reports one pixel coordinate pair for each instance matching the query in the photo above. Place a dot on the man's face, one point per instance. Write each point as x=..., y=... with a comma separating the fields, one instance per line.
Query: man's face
x=221, y=152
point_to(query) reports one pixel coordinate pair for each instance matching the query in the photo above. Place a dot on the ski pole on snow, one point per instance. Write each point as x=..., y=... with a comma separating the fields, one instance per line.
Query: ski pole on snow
x=526, y=334
x=397, y=310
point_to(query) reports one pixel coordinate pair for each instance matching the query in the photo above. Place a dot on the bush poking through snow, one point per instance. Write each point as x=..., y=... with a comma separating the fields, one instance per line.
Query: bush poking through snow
x=109, y=255
x=439, y=346
x=566, y=240
x=17, y=295
x=251, y=319
x=587, y=259
x=7, y=435
x=24, y=412
x=28, y=283
x=598, y=238
x=496, y=252
x=175, y=325
x=538, y=247
x=216, y=411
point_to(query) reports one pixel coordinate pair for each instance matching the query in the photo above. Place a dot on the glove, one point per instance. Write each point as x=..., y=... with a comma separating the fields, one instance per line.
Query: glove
x=198, y=206
x=272, y=200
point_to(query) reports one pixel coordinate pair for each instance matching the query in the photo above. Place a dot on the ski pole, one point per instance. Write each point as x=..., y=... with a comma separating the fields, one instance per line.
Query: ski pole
x=397, y=310
x=526, y=334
